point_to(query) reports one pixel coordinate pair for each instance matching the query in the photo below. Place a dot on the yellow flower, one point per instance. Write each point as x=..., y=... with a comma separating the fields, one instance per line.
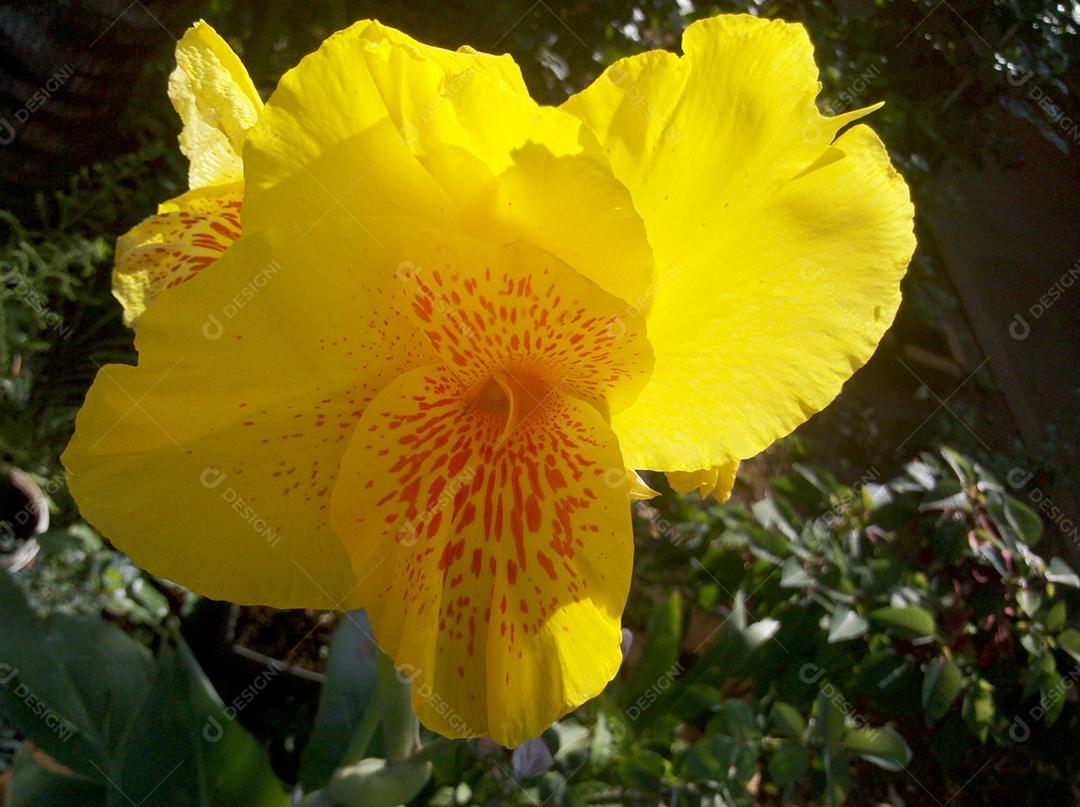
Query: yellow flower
x=218, y=104
x=455, y=318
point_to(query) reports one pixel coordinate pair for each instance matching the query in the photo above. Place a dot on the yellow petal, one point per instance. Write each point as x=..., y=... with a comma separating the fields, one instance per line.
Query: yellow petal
x=639, y=490
x=212, y=92
x=779, y=255
x=494, y=568
x=186, y=235
x=375, y=122
x=717, y=481
x=212, y=462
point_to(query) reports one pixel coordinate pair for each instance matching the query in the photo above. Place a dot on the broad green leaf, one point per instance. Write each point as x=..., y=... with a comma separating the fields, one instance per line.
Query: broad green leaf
x=350, y=680
x=793, y=575
x=786, y=720
x=645, y=770
x=1052, y=693
x=961, y=466
x=659, y=664
x=1054, y=617
x=1029, y=600
x=992, y=555
x=737, y=718
x=768, y=514
x=31, y=785
x=1069, y=641
x=185, y=749
x=921, y=474
x=978, y=708
x=908, y=622
x=729, y=655
x=846, y=624
x=882, y=746
x=788, y=764
x=946, y=495
x=1058, y=571
x=830, y=717
x=942, y=684
x=1023, y=520
x=72, y=684
x=837, y=775
x=720, y=758
x=375, y=783
x=604, y=744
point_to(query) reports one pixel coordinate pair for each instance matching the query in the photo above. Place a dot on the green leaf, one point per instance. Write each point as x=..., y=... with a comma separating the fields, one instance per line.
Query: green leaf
x=837, y=775
x=31, y=785
x=738, y=719
x=1029, y=600
x=1024, y=521
x=908, y=622
x=659, y=664
x=1069, y=641
x=350, y=680
x=793, y=575
x=375, y=783
x=1052, y=692
x=768, y=514
x=72, y=684
x=960, y=465
x=978, y=709
x=786, y=720
x=1058, y=571
x=184, y=748
x=830, y=717
x=603, y=746
x=942, y=684
x=645, y=770
x=720, y=758
x=1054, y=617
x=846, y=624
x=727, y=656
x=788, y=764
x=883, y=747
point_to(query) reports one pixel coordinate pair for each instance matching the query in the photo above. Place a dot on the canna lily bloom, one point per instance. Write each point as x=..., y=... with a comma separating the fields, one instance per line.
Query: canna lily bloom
x=455, y=319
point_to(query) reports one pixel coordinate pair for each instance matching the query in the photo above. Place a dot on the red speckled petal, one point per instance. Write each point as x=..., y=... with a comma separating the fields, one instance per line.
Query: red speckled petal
x=522, y=311
x=186, y=235
x=491, y=532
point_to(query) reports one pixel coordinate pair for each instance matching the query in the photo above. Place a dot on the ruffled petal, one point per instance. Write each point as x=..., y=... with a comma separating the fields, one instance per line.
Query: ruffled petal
x=716, y=482
x=779, y=253
x=494, y=567
x=375, y=122
x=186, y=235
x=213, y=461
x=212, y=92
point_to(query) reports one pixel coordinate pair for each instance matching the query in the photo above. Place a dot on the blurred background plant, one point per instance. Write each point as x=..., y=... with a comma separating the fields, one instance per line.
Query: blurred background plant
x=890, y=639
